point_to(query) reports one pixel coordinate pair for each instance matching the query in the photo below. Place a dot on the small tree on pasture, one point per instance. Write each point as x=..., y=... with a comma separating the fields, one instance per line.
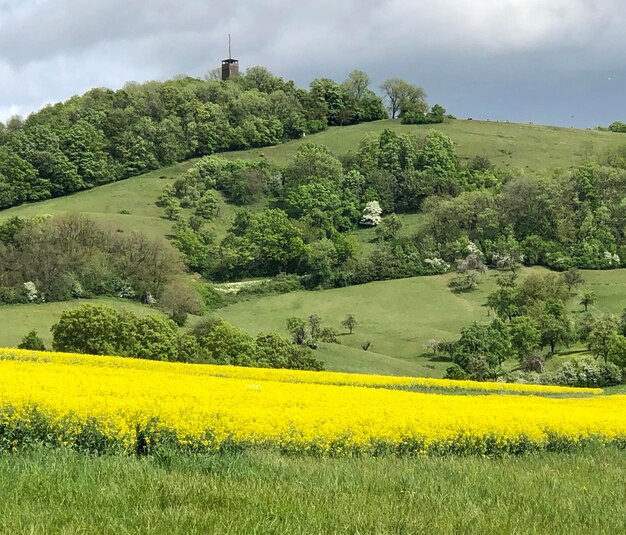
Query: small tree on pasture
x=297, y=328
x=315, y=325
x=572, y=278
x=588, y=299
x=350, y=322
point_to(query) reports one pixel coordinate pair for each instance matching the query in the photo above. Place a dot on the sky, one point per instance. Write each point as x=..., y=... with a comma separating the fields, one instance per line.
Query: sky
x=559, y=62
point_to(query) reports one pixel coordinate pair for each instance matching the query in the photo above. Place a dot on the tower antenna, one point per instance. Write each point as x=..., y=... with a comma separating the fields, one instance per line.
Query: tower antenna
x=230, y=55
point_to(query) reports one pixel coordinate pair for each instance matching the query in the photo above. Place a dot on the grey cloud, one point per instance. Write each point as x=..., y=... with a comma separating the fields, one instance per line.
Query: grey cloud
x=464, y=52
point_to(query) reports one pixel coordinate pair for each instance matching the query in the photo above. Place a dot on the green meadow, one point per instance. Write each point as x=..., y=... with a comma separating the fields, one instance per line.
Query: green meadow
x=61, y=492
x=398, y=317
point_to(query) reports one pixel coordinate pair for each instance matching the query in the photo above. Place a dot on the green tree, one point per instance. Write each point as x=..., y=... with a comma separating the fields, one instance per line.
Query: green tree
x=389, y=228
x=297, y=329
x=489, y=342
x=554, y=330
x=179, y=299
x=403, y=97
x=572, y=278
x=315, y=326
x=438, y=154
x=601, y=341
x=350, y=323
x=93, y=329
x=311, y=163
x=331, y=96
x=356, y=84
x=225, y=344
x=525, y=336
x=153, y=337
x=505, y=300
x=208, y=206
x=278, y=352
x=275, y=243
x=588, y=299
x=32, y=341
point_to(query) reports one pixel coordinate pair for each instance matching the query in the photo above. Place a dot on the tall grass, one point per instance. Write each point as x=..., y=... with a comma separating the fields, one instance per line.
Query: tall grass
x=54, y=491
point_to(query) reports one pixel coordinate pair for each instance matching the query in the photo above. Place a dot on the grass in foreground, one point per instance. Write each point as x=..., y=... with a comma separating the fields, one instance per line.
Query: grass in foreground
x=54, y=492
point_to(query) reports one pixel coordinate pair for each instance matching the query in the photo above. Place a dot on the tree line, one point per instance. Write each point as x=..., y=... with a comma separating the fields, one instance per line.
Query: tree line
x=106, y=135
x=531, y=317
x=102, y=330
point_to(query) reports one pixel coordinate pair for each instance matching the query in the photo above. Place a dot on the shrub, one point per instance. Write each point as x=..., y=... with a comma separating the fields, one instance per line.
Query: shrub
x=102, y=330
x=329, y=335
x=456, y=372
x=32, y=341
x=588, y=372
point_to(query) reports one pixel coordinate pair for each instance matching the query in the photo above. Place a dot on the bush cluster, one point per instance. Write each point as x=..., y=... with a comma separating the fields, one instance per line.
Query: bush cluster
x=102, y=330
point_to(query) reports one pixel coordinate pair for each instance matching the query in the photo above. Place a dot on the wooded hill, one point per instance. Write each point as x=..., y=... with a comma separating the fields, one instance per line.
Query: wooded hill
x=105, y=135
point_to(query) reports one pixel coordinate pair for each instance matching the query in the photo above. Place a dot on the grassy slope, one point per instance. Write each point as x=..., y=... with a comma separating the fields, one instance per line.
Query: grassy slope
x=531, y=147
x=534, y=148
x=17, y=320
x=397, y=316
x=63, y=492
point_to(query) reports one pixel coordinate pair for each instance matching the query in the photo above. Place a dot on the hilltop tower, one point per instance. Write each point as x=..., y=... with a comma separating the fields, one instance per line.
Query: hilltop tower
x=230, y=66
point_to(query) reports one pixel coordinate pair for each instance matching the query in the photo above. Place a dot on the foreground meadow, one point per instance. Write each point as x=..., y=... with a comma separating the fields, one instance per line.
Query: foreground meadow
x=61, y=492
x=117, y=404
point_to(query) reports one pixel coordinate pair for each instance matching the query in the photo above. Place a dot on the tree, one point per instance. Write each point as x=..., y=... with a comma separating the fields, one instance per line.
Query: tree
x=505, y=300
x=315, y=325
x=275, y=242
x=331, y=96
x=553, y=330
x=403, y=97
x=92, y=329
x=371, y=214
x=601, y=337
x=468, y=281
x=297, y=328
x=525, y=336
x=356, y=84
x=32, y=341
x=180, y=299
x=225, y=344
x=478, y=343
x=102, y=330
x=156, y=338
x=572, y=279
x=311, y=163
x=278, y=352
x=389, y=228
x=588, y=299
x=438, y=155
x=616, y=350
x=350, y=322
x=208, y=206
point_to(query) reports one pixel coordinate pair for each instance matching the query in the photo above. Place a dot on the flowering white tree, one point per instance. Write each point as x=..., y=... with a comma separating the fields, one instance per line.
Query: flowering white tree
x=371, y=214
x=31, y=291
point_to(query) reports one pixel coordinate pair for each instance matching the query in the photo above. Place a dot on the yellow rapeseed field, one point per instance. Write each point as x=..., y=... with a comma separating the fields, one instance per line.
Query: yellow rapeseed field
x=101, y=402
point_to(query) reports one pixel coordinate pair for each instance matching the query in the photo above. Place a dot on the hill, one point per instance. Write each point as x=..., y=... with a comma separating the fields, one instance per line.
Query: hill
x=396, y=316
x=530, y=147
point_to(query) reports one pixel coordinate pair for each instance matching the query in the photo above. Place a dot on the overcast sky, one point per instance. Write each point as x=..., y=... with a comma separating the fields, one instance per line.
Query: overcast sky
x=556, y=62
